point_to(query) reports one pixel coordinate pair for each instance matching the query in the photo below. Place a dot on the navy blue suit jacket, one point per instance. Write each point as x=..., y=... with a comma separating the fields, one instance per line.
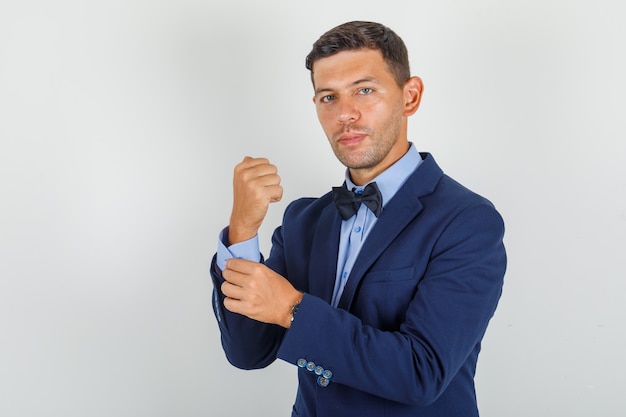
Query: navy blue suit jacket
x=405, y=337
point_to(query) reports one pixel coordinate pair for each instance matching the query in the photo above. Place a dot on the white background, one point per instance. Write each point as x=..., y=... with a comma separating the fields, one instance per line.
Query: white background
x=120, y=122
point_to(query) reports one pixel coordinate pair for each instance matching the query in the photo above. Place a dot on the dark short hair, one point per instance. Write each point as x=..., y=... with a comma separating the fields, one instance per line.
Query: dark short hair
x=364, y=35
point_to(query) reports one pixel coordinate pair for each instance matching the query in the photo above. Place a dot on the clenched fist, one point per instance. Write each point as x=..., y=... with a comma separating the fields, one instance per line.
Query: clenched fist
x=256, y=184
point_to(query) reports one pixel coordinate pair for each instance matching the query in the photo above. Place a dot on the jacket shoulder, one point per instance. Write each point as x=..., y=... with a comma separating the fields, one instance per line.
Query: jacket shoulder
x=433, y=187
x=307, y=208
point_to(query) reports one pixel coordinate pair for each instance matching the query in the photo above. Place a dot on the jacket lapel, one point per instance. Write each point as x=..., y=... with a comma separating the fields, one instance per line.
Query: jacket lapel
x=388, y=226
x=400, y=211
x=325, y=246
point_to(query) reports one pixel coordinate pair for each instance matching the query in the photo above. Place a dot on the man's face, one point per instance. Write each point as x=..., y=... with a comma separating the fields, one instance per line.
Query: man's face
x=362, y=111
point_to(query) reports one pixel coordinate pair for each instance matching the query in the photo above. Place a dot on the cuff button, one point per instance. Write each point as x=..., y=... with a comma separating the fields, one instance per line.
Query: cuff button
x=323, y=382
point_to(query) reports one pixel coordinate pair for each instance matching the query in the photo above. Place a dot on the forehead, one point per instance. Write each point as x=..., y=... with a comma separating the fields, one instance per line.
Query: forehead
x=346, y=67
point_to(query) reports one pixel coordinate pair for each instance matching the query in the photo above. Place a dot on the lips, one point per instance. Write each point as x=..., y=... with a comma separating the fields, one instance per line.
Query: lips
x=350, y=138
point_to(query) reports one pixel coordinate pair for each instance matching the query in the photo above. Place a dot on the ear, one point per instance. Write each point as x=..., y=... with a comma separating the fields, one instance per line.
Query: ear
x=412, y=92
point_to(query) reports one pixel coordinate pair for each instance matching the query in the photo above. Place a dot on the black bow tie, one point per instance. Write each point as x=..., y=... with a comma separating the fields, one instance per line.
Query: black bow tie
x=348, y=202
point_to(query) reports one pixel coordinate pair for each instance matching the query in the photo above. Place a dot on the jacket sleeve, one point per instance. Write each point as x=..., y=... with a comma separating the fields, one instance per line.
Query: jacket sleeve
x=247, y=343
x=444, y=323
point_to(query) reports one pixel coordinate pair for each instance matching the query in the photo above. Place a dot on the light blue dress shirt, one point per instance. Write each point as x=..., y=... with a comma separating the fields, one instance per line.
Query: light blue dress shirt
x=354, y=230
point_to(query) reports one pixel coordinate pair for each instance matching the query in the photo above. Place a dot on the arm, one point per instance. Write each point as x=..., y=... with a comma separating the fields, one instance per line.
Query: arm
x=442, y=329
x=248, y=343
x=256, y=184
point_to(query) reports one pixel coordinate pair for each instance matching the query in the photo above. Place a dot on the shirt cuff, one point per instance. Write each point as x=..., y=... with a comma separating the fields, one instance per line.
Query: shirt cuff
x=248, y=249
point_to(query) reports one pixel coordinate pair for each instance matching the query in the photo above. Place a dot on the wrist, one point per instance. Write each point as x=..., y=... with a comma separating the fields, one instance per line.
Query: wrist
x=294, y=309
x=238, y=234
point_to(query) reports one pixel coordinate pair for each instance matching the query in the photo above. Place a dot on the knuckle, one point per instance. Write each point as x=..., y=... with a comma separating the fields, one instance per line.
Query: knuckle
x=257, y=268
x=253, y=284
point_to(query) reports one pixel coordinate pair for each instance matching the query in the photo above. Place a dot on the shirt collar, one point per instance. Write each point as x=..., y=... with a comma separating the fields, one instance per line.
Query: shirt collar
x=390, y=180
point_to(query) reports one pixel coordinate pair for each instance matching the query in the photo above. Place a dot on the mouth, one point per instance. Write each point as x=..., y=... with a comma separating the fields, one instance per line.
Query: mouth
x=351, y=138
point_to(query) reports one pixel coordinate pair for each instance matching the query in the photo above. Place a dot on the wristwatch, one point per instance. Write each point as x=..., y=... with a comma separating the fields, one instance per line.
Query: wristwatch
x=294, y=310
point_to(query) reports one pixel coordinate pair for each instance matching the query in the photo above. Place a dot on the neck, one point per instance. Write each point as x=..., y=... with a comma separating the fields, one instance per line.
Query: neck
x=362, y=176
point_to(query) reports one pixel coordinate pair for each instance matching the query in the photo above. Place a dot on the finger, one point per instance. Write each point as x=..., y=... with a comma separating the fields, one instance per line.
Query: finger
x=253, y=167
x=265, y=180
x=234, y=277
x=239, y=267
x=233, y=305
x=249, y=162
x=261, y=165
x=267, y=173
x=275, y=192
x=232, y=291
x=266, y=190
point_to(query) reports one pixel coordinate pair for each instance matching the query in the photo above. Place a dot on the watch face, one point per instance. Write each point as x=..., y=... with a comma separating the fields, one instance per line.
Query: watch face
x=294, y=310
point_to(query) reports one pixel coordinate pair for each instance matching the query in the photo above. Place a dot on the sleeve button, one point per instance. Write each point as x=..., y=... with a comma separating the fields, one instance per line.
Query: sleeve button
x=323, y=382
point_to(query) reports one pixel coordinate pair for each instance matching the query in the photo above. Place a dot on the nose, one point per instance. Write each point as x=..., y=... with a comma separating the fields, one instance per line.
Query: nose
x=348, y=111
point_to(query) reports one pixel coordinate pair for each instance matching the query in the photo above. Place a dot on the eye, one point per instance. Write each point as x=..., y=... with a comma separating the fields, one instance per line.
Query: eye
x=365, y=91
x=327, y=99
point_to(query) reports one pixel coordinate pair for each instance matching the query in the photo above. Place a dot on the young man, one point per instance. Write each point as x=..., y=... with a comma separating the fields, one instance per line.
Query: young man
x=381, y=290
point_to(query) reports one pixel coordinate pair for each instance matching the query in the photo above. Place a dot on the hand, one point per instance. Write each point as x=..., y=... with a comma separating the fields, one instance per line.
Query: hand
x=254, y=290
x=256, y=184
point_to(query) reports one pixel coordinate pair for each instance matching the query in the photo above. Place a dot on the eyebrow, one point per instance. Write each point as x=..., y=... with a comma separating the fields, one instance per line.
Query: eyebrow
x=357, y=82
